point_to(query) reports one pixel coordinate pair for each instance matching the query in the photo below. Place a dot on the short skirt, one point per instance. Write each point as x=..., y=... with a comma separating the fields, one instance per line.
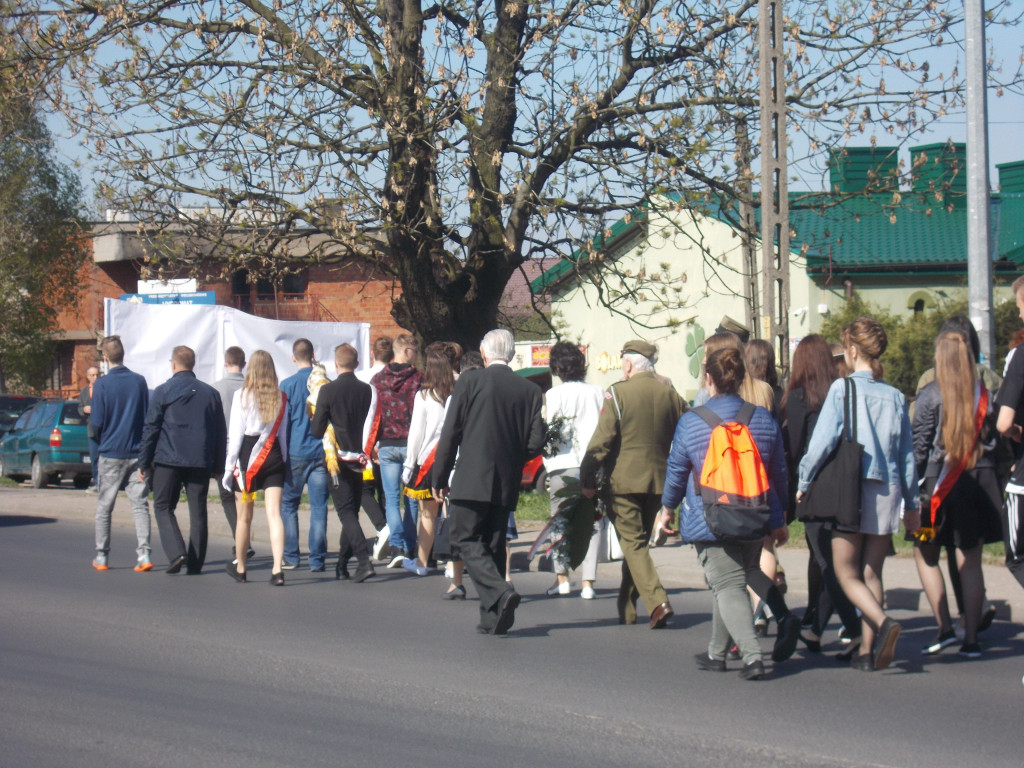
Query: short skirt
x=970, y=514
x=880, y=506
x=271, y=474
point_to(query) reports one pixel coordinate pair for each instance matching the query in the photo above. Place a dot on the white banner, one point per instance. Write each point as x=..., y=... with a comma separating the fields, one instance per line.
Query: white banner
x=150, y=331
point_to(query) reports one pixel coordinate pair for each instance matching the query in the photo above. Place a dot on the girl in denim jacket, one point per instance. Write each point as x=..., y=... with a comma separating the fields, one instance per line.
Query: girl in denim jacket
x=888, y=479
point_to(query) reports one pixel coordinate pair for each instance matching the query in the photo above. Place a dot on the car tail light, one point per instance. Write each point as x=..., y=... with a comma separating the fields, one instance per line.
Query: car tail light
x=55, y=438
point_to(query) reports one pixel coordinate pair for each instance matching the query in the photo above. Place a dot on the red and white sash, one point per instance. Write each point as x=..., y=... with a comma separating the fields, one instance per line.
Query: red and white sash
x=950, y=473
x=264, y=444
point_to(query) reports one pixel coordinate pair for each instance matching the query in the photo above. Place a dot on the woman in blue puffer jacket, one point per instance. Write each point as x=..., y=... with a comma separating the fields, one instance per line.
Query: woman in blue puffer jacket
x=728, y=567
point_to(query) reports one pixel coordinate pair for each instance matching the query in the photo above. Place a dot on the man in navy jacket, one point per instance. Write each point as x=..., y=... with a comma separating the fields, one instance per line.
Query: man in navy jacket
x=182, y=443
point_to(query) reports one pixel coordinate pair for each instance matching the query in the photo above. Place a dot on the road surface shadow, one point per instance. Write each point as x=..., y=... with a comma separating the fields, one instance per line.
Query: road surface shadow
x=10, y=521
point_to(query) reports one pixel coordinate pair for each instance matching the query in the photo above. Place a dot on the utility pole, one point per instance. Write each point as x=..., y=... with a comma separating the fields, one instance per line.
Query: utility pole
x=979, y=251
x=774, y=189
x=748, y=229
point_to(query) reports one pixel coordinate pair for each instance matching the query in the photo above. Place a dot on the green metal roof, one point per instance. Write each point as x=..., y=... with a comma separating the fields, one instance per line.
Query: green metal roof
x=875, y=234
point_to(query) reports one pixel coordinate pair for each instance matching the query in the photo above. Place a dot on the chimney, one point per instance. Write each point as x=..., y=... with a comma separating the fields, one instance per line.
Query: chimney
x=859, y=169
x=939, y=173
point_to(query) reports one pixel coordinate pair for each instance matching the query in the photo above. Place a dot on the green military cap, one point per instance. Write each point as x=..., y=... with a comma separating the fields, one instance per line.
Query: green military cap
x=734, y=326
x=640, y=347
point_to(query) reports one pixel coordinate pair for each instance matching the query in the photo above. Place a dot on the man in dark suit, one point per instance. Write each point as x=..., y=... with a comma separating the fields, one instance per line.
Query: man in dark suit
x=183, y=440
x=494, y=422
x=347, y=406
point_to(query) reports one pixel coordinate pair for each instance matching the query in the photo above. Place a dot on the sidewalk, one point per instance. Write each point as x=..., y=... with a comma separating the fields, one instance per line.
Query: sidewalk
x=677, y=564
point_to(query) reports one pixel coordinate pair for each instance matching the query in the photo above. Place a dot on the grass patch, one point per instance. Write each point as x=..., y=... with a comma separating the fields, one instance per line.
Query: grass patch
x=533, y=505
x=7, y=482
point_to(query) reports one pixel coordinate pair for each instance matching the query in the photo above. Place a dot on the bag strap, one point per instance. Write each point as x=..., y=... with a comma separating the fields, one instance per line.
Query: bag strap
x=615, y=400
x=745, y=414
x=710, y=417
x=850, y=410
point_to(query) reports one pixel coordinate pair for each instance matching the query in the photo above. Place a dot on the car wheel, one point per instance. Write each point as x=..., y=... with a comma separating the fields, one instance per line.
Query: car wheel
x=82, y=481
x=39, y=478
x=541, y=483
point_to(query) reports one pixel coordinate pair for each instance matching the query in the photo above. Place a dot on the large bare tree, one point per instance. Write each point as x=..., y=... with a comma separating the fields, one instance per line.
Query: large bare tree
x=450, y=141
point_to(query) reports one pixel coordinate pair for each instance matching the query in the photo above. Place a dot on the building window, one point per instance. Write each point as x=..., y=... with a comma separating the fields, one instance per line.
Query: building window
x=294, y=283
x=919, y=301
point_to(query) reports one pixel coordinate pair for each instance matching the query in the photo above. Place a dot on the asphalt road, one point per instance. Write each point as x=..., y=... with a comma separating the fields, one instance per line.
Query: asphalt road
x=127, y=669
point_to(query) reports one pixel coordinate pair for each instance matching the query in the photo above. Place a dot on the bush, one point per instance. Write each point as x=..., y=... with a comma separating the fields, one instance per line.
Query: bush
x=910, y=351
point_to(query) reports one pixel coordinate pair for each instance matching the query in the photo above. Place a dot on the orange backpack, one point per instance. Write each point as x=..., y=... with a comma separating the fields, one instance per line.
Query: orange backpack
x=733, y=482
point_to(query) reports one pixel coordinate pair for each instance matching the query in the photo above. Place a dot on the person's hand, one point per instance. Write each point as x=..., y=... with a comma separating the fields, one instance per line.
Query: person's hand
x=142, y=475
x=86, y=409
x=406, y=475
x=228, y=480
x=912, y=519
x=440, y=494
x=780, y=535
x=799, y=496
x=664, y=522
x=588, y=493
x=375, y=454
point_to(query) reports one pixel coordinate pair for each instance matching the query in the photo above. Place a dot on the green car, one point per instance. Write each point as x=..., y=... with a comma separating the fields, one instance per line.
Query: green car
x=48, y=442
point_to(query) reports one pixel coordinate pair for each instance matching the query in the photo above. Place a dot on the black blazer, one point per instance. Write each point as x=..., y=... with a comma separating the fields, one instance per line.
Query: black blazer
x=344, y=403
x=494, y=422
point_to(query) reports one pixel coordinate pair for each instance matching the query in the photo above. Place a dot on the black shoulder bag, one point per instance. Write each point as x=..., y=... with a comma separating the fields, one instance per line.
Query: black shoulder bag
x=834, y=493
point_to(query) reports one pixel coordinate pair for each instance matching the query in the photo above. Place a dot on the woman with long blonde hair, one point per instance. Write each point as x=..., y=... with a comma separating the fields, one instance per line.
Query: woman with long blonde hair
x=954, y=443
x=256, y=459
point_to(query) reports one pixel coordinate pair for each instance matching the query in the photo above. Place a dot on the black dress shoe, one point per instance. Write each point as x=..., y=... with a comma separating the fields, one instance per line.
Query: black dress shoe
x=863, y=663
x=507, y=605
x=661, y=615
x=341, y=572
x=234, y=573
x=457, y=592
x=785, y=640
x=363, y=573
x=752, y=671
x=176, y=564
x=814, y=646
x=711, y=665
x=888, y=635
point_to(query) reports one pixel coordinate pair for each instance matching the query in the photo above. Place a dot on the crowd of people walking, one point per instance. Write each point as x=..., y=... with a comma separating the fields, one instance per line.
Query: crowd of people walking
x=433, y=455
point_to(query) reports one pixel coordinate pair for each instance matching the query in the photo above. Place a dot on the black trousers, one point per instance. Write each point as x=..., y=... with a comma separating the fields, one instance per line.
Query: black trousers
x=346, y=496
x=167, y=485
x=373, y=499
x=478, y=528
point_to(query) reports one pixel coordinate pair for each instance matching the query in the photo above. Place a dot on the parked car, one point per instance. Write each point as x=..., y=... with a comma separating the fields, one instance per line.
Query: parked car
x=11, y=407
x=48, y=442
x=535, y=477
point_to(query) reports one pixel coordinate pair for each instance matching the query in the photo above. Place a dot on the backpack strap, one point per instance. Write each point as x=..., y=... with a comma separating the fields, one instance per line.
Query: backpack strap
x=618, y=410
x=712, y=418
x=745, y=414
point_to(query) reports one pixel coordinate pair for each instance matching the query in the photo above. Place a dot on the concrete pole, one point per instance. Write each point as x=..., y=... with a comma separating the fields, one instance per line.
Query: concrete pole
x=979, y=250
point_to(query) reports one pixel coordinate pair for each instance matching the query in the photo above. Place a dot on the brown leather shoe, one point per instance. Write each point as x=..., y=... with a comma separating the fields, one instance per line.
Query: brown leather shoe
x=661, y=615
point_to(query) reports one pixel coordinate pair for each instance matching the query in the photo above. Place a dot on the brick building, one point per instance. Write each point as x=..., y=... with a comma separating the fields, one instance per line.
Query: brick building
x=358, y=292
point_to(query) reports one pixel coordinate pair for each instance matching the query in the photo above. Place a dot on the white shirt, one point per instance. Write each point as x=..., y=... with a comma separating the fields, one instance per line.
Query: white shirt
x=580, y=404
x=245, y=420
x=424, y=428
x=368, y=373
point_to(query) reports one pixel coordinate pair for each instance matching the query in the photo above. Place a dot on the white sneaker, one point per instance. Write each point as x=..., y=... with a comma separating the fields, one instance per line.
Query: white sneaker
x=398, y=561
x=413, y=566
x=564, y=588
x=382, y=539
x=587, y=593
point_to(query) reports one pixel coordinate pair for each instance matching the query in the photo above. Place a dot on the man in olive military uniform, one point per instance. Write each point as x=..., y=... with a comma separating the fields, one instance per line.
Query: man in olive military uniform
x=631, y=442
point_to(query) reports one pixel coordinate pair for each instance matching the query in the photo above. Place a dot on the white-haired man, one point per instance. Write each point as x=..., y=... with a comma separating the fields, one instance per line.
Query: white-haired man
x=494, y=423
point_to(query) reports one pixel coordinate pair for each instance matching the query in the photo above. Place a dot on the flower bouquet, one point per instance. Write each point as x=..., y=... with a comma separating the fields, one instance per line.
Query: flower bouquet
x=569, y=530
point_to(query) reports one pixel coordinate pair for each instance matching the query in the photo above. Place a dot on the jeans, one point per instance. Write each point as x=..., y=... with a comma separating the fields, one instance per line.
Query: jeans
x=167, y=484
x=311, y=473
x=401, y=511
x=115, y=474
x=727, y=568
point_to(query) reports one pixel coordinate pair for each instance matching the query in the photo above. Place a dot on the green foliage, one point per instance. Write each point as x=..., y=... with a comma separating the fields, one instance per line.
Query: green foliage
x=910, y=351
x=41, y=244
